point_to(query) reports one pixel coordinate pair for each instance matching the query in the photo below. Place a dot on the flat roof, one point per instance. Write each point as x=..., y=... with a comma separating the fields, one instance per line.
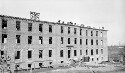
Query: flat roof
x=12, y=17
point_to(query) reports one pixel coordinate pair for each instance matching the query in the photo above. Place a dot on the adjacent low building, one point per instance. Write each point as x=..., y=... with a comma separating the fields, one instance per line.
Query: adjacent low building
x=31, y=43
x=116, y=54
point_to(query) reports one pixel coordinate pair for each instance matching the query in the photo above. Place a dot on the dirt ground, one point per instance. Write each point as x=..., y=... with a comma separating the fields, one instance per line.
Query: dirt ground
x=77, y=69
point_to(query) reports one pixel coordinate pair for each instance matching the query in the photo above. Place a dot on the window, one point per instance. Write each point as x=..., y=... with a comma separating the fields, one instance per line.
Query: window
x=80, y=41
x=29, y=26
x=29, y=65
x=4, y=24
x=74, y=30
x=86, y=52
x=17, y=55
x=29, y=39
x=101, y=34
x=68, y=30
x=61, y=53
x=61, y=40
x=4, y=38
x=17, y=39
x=102, y=58
x=86, y=41
x=40, y=65
x=61, y=29
x=86, y=32
x=29, y=54
x=96, y=51
x=68, y=40
x=50, y=28
x=101, y=42
x=62, y=61
x=50, y=53
x=91, y=51
x=40, y=40
x=50, y=63
x=96, y=42
x=91, y=33
x=91, y=41
x=80, y=52
x=96, y=33
x=40, y=53
x=69, y=53
x=2, y=53
x=97, y=59
x=40, y=27
x=50, y=40
x=101, y=51
x=75, y=41
x=92, y=59
x=17, y=25
x=80, y=31
x=75, y=53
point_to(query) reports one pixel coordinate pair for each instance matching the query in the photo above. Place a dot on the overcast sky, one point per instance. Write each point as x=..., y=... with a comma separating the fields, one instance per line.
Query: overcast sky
x=95, y=13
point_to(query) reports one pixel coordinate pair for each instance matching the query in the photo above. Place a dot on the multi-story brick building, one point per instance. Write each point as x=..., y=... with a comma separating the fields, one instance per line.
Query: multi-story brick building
x=34, y=43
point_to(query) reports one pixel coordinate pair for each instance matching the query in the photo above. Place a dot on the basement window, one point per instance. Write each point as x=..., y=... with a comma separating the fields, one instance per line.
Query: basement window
x=4, y=38
x=29, y=65
x=40, y=65
x=2, y=52
x=4, y=24
x=62, y=61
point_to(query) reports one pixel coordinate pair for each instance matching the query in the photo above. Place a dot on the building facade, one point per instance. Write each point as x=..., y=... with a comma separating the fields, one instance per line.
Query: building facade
x=34, y=43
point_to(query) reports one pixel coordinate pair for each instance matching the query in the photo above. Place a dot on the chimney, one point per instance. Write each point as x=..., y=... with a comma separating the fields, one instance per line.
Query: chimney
x=102, y=27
